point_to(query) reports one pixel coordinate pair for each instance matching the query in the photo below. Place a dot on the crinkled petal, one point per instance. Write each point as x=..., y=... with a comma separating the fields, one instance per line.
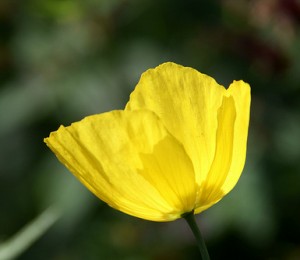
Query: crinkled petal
x=129, y=160
x=187, y=101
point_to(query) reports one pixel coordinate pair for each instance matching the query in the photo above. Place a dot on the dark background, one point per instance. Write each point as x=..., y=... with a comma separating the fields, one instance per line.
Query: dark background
x=61, y=60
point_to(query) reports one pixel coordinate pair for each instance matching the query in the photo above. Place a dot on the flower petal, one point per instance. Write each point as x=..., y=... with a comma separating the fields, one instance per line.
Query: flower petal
x=129, y=160
x=187, y=102
x=211, y=189
x=231, y=141
x=240, y=92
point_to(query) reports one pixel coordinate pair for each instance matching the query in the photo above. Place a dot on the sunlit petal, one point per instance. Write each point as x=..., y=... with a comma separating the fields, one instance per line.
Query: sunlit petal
x=187, y=101
x=211, y=189
x=130, y=161
x=240, y=92
x=231, y=142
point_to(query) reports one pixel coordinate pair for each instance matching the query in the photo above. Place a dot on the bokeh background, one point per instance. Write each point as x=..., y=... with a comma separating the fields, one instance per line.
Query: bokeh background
x=61, y=60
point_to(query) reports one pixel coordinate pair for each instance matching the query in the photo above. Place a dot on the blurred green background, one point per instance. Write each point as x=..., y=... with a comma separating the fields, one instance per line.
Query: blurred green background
x=61, y=60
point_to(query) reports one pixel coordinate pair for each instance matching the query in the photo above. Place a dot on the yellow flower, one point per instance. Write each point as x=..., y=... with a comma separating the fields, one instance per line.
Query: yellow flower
x=179, y=146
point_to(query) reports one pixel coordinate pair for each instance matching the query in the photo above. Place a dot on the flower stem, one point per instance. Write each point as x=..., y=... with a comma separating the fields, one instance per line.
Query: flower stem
x=190, y=219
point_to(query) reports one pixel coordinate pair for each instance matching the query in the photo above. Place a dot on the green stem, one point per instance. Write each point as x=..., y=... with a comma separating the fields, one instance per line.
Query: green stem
x=190, y=219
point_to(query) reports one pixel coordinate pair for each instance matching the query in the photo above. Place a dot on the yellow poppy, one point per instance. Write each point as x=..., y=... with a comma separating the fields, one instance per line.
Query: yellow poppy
x=179, y=146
